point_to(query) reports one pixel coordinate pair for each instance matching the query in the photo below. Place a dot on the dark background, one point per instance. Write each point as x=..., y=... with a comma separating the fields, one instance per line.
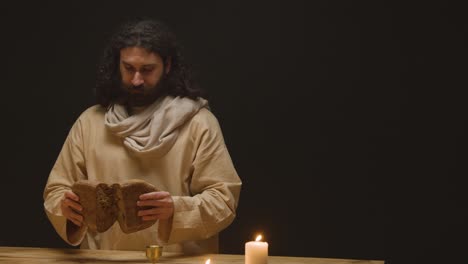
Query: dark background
x=346, y=120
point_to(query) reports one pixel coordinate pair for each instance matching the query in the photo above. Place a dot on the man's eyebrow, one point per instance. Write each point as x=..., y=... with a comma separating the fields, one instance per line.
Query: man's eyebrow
x=150, y=65
x=145, y=65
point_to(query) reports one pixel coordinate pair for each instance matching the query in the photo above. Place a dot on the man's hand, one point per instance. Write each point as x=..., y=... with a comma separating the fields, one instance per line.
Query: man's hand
x=162, y=203
x=71, y=207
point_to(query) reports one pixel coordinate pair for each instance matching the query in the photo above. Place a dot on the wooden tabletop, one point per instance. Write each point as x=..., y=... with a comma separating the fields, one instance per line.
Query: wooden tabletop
x=17, y=255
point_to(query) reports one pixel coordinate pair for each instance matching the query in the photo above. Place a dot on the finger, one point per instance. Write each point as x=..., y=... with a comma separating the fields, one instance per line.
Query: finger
x=72, y=195
x=154, y=211
x=151, y=217
x=74, y=205
x=75, y=218
x=155, y=203
x=154, y=195
x=75, y=222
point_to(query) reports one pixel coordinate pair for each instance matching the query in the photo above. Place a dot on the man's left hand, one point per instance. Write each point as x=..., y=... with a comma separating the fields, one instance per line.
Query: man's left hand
x=162, y=203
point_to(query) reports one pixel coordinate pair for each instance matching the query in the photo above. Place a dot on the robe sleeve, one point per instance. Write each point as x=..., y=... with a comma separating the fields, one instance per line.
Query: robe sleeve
x=215, y=188
x=68, y=168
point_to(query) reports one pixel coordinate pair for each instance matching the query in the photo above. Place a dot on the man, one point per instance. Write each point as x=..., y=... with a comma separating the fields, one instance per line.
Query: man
x=150, y=124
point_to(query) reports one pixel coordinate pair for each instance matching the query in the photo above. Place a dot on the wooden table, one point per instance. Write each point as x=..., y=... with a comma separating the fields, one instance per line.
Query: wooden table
x=16, y=255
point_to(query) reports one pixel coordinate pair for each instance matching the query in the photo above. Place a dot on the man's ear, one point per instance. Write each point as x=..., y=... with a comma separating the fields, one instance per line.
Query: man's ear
x=168, y=64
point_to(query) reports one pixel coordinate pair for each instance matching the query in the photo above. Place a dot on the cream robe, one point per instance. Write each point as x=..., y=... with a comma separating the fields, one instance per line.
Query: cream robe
x=197, y=171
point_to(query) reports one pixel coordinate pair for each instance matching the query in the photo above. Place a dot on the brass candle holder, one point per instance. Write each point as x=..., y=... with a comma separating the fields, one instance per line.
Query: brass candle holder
x=153, y=252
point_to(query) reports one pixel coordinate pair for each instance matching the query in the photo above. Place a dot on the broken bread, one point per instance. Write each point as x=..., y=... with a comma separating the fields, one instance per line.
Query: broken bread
x=104, y=204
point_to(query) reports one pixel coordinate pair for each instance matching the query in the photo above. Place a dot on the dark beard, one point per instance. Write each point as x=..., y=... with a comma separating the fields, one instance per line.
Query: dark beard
x=139, y=95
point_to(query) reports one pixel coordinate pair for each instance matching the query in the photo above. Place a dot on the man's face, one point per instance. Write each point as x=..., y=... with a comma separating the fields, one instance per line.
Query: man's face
x=142, y=73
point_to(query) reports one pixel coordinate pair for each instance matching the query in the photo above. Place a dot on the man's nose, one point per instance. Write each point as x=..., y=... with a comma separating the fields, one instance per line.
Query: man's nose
x=137, y=79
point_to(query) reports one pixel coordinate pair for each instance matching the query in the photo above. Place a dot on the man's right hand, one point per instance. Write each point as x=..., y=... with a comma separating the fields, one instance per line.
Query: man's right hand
x=71, y=208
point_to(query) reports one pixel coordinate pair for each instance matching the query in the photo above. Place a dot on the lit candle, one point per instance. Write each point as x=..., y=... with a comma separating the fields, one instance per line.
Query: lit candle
x=256, y=252
x=208, y=261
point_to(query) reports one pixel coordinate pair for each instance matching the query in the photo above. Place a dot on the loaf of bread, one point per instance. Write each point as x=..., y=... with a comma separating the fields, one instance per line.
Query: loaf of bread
x=104, y=204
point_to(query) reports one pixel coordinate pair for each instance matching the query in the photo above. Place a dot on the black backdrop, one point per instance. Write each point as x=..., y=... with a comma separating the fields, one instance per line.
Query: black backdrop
x=345, y=120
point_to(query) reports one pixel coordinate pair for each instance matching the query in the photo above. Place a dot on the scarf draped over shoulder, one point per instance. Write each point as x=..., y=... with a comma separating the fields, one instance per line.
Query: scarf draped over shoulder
x=155, y=129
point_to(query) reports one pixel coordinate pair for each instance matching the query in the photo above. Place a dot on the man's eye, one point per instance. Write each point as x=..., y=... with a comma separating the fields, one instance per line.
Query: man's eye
x=147, y=70
x=129, y=69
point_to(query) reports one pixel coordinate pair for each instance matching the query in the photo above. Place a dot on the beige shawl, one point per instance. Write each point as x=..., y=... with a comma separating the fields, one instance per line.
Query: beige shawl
x=154, y=130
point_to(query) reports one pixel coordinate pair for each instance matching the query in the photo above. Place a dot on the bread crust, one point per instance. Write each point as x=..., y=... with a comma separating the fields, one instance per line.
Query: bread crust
x=87, y=194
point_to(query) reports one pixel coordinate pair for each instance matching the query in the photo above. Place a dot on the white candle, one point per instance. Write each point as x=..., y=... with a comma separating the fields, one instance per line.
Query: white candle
x=256, y=252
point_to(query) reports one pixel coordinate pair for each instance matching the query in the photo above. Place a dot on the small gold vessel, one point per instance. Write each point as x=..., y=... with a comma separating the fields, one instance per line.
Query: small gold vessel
x=153, y=252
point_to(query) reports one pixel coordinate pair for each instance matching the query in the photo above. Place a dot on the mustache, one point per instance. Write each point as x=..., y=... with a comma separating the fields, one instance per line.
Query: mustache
x=138, y=87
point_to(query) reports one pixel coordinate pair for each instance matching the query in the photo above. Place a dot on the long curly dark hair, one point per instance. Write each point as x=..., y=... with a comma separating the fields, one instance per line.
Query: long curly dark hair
x=153, y=36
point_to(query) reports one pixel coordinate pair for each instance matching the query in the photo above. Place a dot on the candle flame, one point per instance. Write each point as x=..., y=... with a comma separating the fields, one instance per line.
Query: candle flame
x=259, y=237
x=208, y=261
